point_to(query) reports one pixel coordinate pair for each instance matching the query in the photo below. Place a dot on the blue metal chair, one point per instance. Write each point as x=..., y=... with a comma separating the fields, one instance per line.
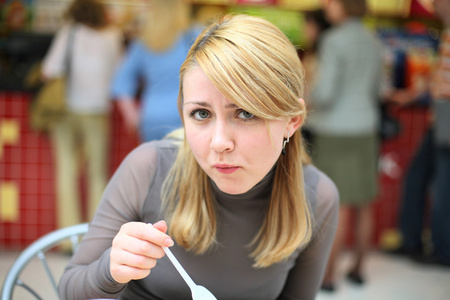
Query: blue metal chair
x=38, y=249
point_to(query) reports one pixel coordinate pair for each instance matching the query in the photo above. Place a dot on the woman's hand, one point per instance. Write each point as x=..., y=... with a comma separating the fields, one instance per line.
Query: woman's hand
x=130, y=113
x=135, y=250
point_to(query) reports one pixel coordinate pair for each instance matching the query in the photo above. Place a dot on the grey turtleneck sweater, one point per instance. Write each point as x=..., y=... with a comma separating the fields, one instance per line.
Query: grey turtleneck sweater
x=133, y=194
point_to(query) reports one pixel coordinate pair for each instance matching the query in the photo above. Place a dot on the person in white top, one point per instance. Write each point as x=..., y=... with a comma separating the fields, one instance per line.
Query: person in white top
x=94, y=52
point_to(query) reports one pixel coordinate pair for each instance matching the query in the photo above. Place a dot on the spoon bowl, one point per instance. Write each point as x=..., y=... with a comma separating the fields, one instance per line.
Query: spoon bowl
x=201, y=293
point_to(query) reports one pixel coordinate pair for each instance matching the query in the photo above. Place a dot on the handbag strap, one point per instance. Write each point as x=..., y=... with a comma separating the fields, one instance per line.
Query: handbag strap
x=69, y=50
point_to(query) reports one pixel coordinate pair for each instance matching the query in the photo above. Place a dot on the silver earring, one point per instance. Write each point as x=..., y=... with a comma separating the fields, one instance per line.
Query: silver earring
x=286, y=140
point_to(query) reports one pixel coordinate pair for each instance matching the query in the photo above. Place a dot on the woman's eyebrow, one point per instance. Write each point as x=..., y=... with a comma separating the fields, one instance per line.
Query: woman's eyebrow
x=201, y=103
x=231, y=106
x=206, y=104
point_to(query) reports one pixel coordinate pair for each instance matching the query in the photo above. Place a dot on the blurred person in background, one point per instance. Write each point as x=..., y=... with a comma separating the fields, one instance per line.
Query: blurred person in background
x=315, y=24
x=152, y=63
x=440, y=91
x=83, y=136
x=415, y=193
x=429, y=171
x=345, y=120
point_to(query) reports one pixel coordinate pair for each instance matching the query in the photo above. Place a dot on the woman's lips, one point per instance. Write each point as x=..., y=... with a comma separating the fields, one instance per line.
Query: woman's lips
x=226, y=169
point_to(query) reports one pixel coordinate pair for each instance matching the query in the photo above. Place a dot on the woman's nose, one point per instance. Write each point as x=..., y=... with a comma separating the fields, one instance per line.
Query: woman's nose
x=222, y=139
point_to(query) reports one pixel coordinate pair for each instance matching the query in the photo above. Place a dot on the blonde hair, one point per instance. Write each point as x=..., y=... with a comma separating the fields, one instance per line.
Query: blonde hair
x=254, y=65
x=165, y=21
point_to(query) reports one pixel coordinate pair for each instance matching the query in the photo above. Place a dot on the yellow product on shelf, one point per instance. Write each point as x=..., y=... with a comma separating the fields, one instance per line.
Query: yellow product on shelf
x=214, y=2
x=300, y=4
x=399, y=8
x=9, y=202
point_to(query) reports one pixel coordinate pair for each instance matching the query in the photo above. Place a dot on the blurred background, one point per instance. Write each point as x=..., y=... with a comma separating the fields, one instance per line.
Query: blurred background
x=408, y=30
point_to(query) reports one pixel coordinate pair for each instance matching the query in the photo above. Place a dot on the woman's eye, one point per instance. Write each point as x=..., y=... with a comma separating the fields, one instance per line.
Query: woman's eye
x=200, y=114
x=246, y=115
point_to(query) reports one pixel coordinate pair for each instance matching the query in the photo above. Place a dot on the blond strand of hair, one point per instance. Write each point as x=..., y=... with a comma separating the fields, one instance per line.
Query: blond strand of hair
x=165, y=21
x=193, y=219
x=288, y=223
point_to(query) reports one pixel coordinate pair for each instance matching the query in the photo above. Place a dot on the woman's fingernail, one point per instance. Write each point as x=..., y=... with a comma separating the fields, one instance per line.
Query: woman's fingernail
x=169, y=242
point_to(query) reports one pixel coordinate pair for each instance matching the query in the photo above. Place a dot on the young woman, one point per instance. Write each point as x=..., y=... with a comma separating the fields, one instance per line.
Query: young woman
x=244, y=212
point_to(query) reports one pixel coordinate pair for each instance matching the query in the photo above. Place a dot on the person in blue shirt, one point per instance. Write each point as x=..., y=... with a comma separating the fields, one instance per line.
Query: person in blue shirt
x=152, y=63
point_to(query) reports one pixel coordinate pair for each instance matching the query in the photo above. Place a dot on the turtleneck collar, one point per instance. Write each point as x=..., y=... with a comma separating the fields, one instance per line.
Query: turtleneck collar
x=261, y=190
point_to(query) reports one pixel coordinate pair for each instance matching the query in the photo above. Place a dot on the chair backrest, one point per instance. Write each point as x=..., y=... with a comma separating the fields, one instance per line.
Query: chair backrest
x=37, y=250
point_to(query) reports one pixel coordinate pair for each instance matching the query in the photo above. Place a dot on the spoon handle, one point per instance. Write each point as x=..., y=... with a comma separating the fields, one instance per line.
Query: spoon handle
x=178, y=266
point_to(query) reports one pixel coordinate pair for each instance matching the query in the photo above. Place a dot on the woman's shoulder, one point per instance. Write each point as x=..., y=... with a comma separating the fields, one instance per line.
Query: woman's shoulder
x=155, y=150
x=65, y=28
x=332, y=38
x=320, y=189
x=194, y=30
x=189, y=35
x=150, y=158
x=137, y=46
x=106, y=32
x=113, y=31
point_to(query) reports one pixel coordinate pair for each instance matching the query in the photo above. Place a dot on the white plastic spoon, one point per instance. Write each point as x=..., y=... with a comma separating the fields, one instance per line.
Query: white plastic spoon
x=198, y=292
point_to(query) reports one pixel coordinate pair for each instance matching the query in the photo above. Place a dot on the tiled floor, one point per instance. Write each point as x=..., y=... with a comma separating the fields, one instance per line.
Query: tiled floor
x=388, y=278
x=393, y=278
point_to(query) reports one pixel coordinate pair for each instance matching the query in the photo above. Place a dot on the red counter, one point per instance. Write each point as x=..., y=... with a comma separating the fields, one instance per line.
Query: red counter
x=27, y=189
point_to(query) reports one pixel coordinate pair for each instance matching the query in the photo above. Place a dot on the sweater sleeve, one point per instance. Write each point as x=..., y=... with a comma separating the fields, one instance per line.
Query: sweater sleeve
x=87, y=275
x=306, y=276
x=126, y=77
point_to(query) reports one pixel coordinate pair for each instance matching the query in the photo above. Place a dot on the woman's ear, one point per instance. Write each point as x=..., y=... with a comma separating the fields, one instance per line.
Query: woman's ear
x=295, y=122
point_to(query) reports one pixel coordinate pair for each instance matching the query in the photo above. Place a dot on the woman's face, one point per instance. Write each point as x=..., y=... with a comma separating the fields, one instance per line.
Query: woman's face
x=442, y=10
x=312, y=32
x=231, y=145
x=334, y=11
